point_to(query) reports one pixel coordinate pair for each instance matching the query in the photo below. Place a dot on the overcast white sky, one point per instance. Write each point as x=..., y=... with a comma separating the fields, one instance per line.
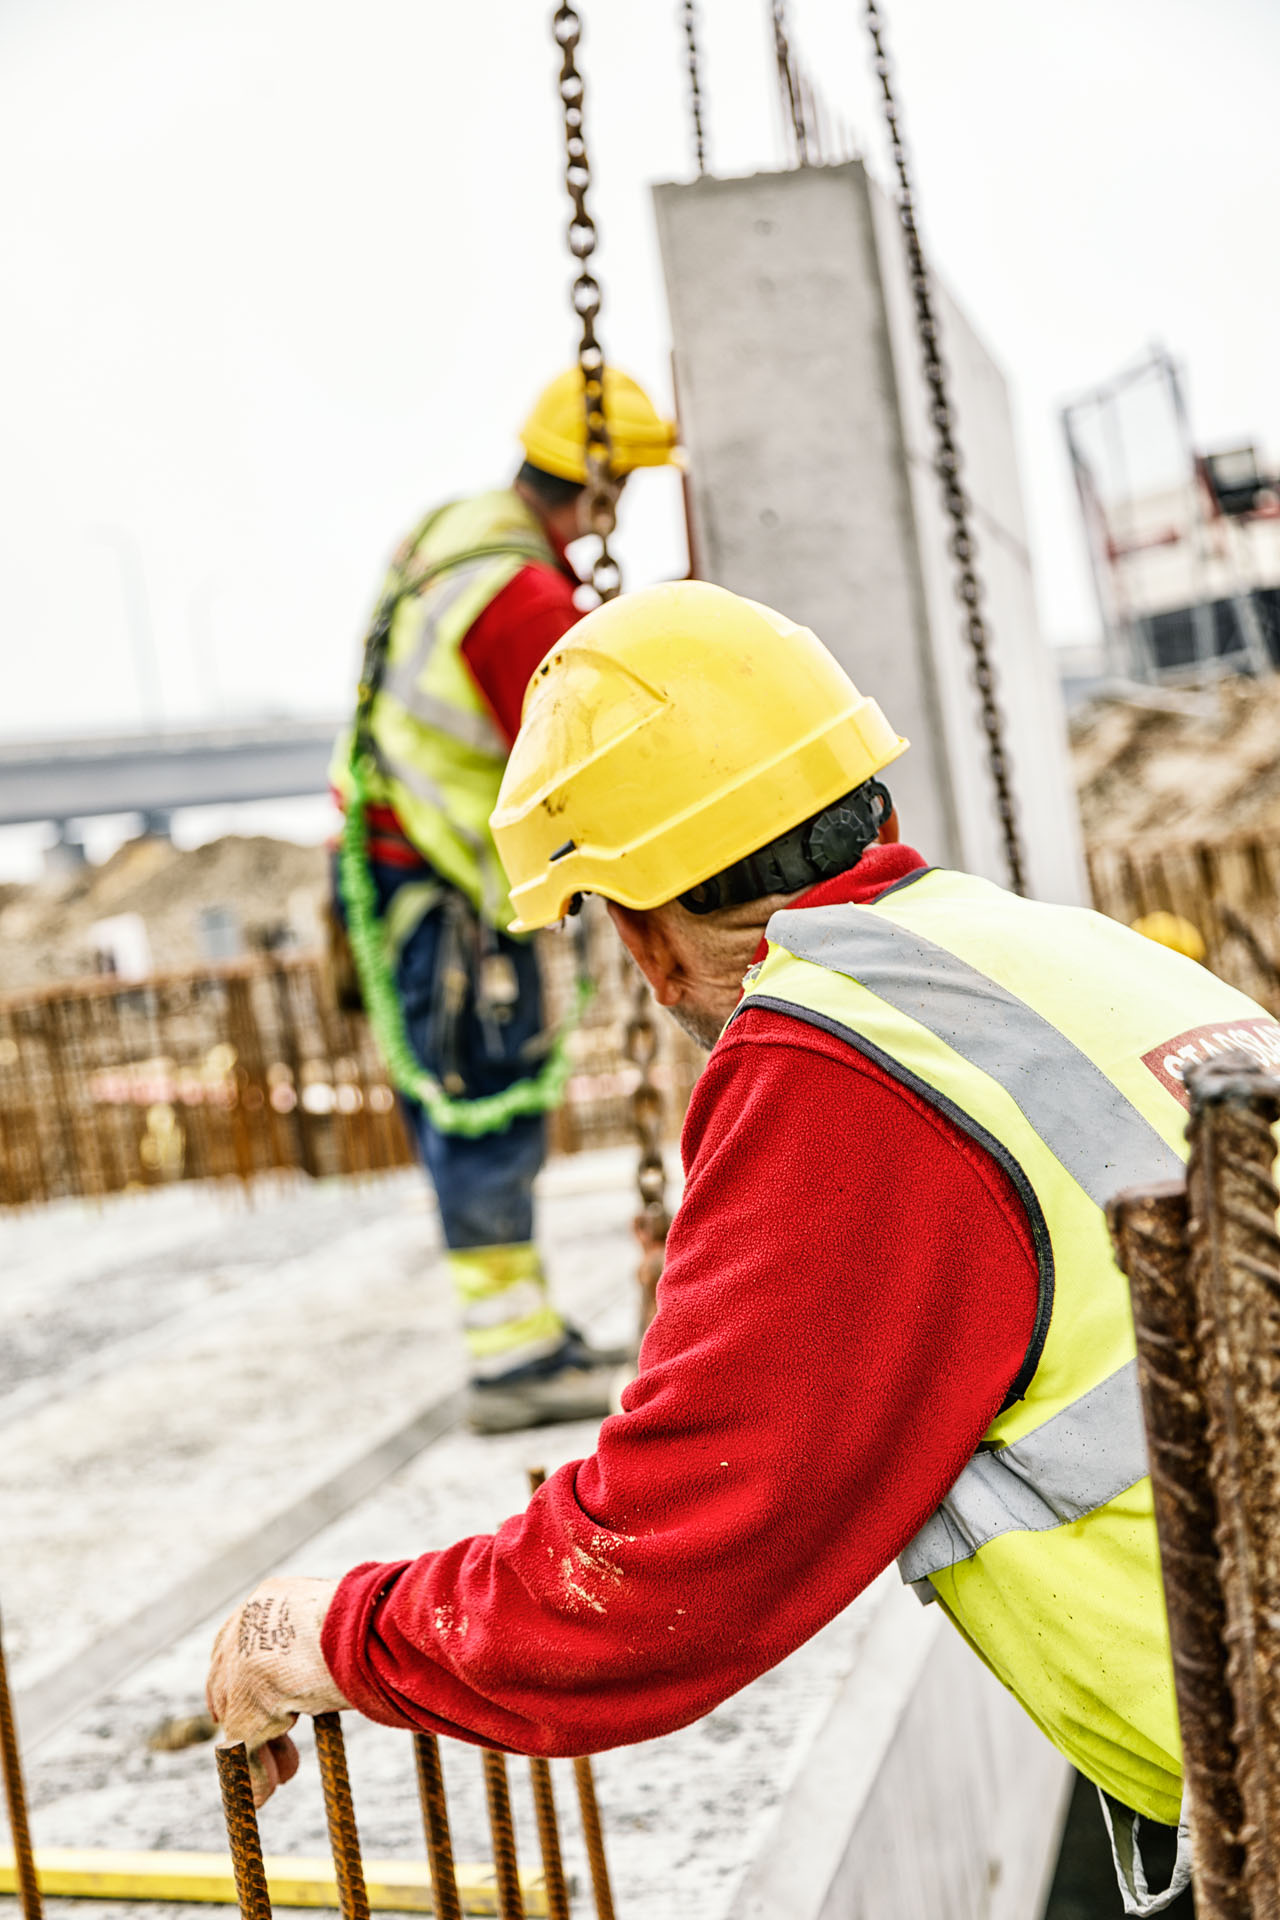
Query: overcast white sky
x=275, y=274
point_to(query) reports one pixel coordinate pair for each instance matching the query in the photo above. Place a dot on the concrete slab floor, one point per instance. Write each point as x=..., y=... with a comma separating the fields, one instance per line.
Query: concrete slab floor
x=172, y=1384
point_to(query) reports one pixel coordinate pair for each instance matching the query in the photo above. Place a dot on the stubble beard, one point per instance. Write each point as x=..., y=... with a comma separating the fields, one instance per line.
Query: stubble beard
x=704, y=1029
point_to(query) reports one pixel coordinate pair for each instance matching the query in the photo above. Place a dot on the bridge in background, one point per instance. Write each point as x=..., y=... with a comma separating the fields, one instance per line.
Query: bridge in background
x=156, y=773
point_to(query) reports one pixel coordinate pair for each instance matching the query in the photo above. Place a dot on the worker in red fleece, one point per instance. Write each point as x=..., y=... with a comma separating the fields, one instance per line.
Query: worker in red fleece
x=890, y=1323
x=478, y=593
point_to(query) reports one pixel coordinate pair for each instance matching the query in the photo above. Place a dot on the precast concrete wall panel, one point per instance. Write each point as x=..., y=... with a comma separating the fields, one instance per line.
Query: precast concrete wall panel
x=804, y=409
x=785, y=378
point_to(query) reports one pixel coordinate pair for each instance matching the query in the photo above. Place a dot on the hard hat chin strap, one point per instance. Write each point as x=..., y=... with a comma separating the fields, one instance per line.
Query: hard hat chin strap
x=828, y=843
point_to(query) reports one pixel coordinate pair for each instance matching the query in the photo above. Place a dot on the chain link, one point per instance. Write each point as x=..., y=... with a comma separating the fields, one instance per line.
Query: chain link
x=601, y=490
x=791, y=84
x=689, y=15
x=640, y=1041
x=947, y=467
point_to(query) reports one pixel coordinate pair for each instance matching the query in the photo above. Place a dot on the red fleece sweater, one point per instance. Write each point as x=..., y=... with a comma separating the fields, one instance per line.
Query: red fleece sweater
x=849, y=1290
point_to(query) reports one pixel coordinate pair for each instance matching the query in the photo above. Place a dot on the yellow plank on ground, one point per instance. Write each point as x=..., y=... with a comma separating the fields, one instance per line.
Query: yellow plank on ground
x=395, y=1886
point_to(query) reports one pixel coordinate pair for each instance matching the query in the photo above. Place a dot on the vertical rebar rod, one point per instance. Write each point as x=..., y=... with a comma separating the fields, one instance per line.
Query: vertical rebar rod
x=344, y=1840
x=435, y=1820
x=544, y=1803
x=502, y=1828
x=589, y=1807
x=544, y=1806
x=15, y=1794
x=1235, y=1272
x=593, y=1833
x=242, y=1833
x=1150, y=1233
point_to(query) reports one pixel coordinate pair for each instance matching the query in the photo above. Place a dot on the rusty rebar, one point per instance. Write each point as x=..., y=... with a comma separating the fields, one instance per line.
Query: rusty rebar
x=593, y=1834
x=435, y=1820
x=344, y=1840
x=544, y=1802
x=15, y=1794
x=544, y=1807
x=502, y=1828
x=242, y=1832
x=1150, y=1233
x=1235, y=1271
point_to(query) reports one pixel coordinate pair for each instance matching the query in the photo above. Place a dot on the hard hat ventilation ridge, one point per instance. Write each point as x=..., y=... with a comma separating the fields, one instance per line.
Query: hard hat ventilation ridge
x=828, y=843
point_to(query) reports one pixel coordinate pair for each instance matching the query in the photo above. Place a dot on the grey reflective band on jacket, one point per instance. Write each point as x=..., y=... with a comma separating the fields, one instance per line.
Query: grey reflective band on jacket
x=469, y=729
x=423, y=787
x=401, y=677
x=1077, y=1461
x=1098, y=1135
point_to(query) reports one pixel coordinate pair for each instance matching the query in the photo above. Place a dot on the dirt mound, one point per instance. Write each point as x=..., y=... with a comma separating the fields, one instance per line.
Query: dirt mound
x=271, y=888
x=1180, y=766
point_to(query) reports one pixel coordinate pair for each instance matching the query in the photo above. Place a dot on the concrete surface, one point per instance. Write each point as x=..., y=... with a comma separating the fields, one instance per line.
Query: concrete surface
x=184, y=1368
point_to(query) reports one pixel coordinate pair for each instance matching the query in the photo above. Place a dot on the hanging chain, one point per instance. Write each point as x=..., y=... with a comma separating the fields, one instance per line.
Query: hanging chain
x=947, y=467
x=790, y=83
x=640, y=1043
x=601, y=491
x=689, y=14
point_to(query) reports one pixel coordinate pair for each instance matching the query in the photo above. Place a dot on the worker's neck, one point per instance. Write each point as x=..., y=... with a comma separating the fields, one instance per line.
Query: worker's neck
x=561, y=523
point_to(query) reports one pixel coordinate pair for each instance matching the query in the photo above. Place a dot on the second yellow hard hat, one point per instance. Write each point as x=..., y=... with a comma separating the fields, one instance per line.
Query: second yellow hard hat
x=555, y=434
x=669, y=734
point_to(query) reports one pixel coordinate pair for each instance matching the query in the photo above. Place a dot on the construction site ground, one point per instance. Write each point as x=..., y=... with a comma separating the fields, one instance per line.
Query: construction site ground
x=195, y=1385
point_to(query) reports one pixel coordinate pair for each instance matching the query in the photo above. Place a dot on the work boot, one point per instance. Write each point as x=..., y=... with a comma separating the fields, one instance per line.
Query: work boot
x=576, y=1382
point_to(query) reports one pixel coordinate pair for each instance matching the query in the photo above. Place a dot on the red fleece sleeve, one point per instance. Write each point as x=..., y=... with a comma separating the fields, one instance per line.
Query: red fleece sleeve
x=849, y=1290
x=513, y=635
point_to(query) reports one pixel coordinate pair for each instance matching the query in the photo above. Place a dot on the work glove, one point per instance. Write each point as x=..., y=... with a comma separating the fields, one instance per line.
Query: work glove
x=266, y=1669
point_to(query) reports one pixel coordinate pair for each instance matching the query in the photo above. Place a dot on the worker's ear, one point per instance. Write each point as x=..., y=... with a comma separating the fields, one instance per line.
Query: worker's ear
x=645, y=938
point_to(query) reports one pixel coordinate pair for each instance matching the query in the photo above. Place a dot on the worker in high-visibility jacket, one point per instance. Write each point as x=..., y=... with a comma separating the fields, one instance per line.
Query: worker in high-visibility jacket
x=497, y=592
x=891, y=1324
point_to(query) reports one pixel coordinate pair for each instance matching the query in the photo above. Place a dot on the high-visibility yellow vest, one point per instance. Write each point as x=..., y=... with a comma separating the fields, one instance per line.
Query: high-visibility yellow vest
x=438, y=755
x=1054, y=1038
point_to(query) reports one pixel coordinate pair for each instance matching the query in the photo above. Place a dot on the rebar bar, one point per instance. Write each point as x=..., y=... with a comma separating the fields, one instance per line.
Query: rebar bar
x=502, y=1828
x=544, y=1802
x=435, y=1820
x=544, y=1807
x=15, y=1794
x=344, y=1840
x=242, y=1833
x=1150, y=1233
x=593, y=1833
x=1235, y=1271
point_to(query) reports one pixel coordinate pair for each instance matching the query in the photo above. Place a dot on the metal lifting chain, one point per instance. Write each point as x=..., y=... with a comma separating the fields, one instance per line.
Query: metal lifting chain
x=641, y=1038
x=601, y=493
x=790, y=83
x=947, y=467
x=689, y=14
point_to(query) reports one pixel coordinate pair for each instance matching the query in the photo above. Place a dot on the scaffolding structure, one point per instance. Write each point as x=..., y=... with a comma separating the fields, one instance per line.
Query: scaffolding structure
x=1183, y=547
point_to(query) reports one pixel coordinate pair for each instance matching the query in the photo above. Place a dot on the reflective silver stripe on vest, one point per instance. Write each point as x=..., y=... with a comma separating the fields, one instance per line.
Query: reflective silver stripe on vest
x=469, y=729
x=423, y=787
x=402, y=676
x=1100, y=1138
x=1090, y=1453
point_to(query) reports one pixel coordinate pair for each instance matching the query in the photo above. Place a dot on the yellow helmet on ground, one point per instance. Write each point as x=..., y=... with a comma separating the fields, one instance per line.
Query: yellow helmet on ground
x=1171, y=930
x=671, y=733
x=554, y=436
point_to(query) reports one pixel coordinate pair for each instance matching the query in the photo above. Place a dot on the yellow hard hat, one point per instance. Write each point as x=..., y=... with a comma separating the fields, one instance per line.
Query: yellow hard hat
x=671, y=733
x=1171, y=930
x=554, y=436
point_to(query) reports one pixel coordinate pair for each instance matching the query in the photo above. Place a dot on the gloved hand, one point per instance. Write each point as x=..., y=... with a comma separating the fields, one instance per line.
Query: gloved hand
x=266, y=1669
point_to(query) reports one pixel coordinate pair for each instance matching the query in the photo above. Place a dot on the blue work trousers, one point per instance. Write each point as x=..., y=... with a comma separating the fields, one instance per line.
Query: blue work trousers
x=484, y=1186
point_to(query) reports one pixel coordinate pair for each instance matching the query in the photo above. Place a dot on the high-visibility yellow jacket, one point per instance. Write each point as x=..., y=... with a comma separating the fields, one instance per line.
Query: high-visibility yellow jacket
x=1052, y=1036
x=438, y=756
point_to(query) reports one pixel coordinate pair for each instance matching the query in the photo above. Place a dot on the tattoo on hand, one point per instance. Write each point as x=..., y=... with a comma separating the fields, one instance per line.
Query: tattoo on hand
x=265, y=1627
